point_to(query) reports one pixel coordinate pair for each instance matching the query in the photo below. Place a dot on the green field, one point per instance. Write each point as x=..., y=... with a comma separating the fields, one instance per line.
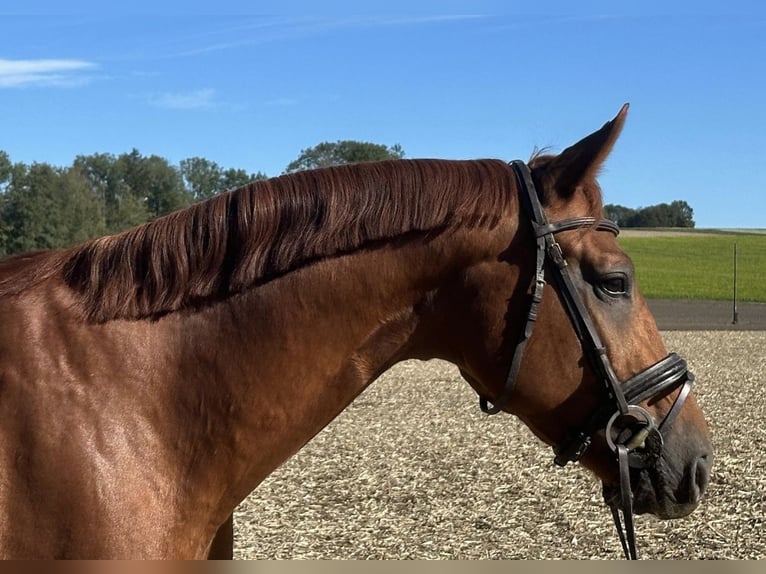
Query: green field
x=698, y=265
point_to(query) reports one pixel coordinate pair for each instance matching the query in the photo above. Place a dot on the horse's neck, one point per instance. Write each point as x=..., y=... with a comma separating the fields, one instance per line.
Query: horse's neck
x=293, y=353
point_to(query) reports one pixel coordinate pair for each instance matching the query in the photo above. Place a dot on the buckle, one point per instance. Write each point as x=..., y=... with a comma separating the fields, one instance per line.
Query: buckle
x=556, y=255
x=572, y=450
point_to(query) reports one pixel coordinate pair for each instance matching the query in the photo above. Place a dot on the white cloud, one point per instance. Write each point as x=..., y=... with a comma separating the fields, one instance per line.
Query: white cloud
x=194, y=100
x=58, y=73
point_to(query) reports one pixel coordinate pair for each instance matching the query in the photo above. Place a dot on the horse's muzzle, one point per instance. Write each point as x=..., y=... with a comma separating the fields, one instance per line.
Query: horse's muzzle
x=667, y=491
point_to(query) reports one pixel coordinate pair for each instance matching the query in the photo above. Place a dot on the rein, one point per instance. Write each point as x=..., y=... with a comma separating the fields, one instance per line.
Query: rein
x=631, y=432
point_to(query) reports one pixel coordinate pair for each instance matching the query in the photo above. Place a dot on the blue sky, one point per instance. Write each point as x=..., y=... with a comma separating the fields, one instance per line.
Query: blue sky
x=250, y=87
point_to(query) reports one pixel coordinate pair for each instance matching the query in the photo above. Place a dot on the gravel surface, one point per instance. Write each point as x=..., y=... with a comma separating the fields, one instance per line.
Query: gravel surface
x=413, y=470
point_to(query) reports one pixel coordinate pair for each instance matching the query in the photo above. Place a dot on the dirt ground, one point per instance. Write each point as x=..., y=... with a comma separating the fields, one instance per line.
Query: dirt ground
x=413, y=470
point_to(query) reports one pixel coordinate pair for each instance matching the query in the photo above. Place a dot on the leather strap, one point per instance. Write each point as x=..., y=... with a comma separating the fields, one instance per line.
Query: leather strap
x=677, y=404
x=538, y=285
x=626, y=530
x=576, y=223
x=663, y=375
x=591, y=343
x=547, y=246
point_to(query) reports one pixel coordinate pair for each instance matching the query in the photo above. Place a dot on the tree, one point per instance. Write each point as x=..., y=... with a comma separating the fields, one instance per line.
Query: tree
x=122, y=208
x=154, y=182
x=6, y=172
x=234, y=178
x=47, y=208
x=6, y=168
x=683, y=214
x=27, y=207
x=201, y=177
x=675, y=214
x=81, y=212
x=341, y=152
x=204, y=178
x=618, y=213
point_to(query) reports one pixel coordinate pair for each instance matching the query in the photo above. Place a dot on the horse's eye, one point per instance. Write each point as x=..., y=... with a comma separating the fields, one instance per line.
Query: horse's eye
x=614, y=284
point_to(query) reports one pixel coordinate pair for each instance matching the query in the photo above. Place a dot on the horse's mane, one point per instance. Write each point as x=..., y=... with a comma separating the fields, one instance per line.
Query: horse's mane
x=266, y=229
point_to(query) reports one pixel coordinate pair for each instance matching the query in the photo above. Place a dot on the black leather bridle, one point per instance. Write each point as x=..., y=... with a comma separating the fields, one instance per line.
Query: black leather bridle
x=631, y=432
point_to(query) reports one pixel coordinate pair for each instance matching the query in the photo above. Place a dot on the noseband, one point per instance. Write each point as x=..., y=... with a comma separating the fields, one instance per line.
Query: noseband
x=630, y=431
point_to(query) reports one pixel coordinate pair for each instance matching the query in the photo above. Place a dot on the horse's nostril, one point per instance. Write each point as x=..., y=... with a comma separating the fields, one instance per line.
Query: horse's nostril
x=700, y=476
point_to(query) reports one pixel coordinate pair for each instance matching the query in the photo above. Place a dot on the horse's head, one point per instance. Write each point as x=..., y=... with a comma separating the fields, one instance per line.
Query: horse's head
x=559, y=382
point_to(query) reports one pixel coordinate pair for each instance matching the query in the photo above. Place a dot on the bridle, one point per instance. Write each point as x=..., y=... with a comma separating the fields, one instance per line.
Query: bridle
x=631, y=432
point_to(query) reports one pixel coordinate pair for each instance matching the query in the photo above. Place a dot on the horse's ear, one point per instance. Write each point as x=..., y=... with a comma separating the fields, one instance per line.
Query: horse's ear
x=580, y=162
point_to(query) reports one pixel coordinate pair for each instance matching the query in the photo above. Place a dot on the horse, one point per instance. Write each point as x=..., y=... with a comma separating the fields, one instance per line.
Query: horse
x=150, y=380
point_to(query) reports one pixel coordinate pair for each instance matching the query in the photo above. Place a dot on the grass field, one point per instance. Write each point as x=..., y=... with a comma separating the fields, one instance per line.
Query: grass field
x=698, y=265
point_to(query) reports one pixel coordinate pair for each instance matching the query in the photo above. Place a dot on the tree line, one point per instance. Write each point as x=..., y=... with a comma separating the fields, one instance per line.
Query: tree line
x=48, y=207
x=674, y=214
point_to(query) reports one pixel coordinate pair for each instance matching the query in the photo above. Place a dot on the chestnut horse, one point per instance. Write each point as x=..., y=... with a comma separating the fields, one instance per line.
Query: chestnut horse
x=150, y=380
